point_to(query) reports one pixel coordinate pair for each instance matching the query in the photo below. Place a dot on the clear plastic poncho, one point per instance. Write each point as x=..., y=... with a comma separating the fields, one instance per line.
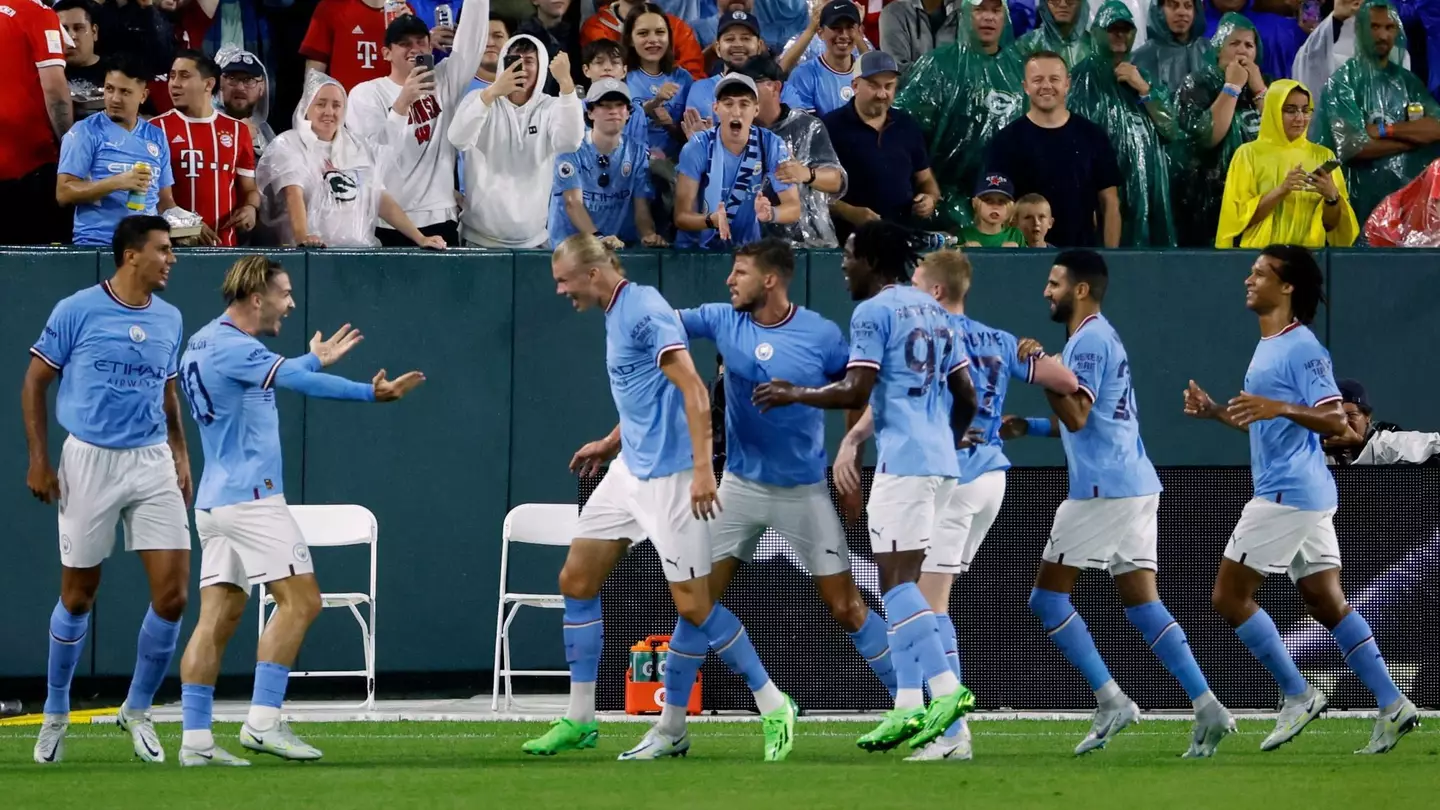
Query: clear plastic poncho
x=1411, y=216
x=1200, y=167
x=1364, y=91
x=1048, y=36
x=1260, y=167
x=1137, y=134
x=261, y=133
x=1164, y=56
x=961, y=96
x=809, y=144
x=338, y=178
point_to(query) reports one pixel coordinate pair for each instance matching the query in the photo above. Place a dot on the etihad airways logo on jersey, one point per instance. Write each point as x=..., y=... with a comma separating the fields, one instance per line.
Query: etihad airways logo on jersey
x=126, y=374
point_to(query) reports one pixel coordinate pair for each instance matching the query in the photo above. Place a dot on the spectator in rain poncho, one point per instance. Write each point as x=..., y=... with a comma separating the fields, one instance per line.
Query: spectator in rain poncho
x=1220, y=106
x=1330, y=45
x=319, y=183
x=244, y=92
x=961, y=94
x=1273, y=194
x=1177, y=46
x=1138, y=116
x=1061, y=29
x=1280, y=34
x=1378, y=116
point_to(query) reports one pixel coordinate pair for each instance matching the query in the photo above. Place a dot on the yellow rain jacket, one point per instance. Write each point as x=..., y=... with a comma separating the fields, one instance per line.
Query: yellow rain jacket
x=1260, y=166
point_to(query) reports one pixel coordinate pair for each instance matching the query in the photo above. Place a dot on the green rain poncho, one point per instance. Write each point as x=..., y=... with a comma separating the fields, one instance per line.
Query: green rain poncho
x=1166, y=58
x=1137, y=134
x=1047, y=36
x=1362, y=92
x=1201, y=167
x=961, y=96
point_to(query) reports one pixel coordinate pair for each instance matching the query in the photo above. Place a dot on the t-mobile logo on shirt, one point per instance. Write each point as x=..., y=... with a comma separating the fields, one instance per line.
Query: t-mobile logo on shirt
x=366, y=52
x=422, y=112
x=192, y=160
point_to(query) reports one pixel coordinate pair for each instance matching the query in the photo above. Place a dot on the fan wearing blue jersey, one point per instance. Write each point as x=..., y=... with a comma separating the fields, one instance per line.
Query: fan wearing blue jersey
x=660, y=487
x=247, y=534
x=945, y=275
x=901, y=348
x=1109, y=519
x=1289, y=404
x=825, y=84
x=113, y=347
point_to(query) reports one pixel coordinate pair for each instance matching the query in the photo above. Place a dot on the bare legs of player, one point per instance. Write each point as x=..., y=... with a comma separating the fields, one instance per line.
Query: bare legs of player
x=839, y=593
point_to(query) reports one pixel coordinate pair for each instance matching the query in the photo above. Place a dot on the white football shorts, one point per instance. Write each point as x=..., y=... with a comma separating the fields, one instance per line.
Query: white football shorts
x=251, y=542
x=964, y=522
x=1117, y=534
x=1273, y=538
x=625, y=508
x=904, y=510
x=100, y=487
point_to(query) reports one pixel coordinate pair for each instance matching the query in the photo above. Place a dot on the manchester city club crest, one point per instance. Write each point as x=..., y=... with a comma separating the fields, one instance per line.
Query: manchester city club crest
x=764, y=352
x=846, y=93
x=625, y=169
x=137, y=334
x=302, y=552
x=152, y=149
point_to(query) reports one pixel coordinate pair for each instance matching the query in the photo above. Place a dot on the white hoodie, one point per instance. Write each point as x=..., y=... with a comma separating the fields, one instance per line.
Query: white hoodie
x=420, y=171
x=510, y=159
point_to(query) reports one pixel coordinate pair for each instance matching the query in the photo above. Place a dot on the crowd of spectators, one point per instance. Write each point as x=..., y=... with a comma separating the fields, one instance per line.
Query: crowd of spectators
x=709, y=123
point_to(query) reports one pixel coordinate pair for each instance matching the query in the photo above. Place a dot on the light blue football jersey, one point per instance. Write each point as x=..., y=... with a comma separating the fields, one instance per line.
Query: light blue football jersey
x=994, y=362
x=639, y=329
x=1286, y=459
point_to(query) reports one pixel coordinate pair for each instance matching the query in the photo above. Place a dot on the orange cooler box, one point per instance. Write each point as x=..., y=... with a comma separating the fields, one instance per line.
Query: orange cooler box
x=645, y=678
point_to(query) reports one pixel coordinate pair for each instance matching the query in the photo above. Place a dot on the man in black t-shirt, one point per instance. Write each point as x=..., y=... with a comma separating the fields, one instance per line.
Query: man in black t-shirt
x=1063, y=157
x=83, y=69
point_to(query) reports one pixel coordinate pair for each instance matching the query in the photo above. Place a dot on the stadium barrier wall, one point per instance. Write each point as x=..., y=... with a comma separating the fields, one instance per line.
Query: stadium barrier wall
x=517, y=382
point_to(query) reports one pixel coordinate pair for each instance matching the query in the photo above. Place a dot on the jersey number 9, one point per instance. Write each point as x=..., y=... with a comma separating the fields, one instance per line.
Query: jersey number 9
x=924, y=363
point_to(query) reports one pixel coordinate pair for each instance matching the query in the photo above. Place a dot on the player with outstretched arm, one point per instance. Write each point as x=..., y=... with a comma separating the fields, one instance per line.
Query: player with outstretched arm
x=247, y=534
x=1289, y=403
x=660, y=487
x=907, y=362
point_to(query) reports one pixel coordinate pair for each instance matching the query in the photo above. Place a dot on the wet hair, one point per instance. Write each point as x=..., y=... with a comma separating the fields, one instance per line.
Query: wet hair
x=770, y=255
x=632, y=56
x=204, y=65
x=891, y=249
x=133, y=233
x=251, y=275
x=1089, y=267
x=952, y=271
x=1299, y=269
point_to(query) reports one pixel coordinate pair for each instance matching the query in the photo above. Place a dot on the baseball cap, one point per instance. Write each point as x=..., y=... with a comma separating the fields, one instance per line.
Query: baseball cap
x=733, y=18
x=995, y=184
x=734, y=79
x=406, y=25
x=762, y=68
x=602, y=89
x=1353, y=392
x=837, y=11
x=243, y=62
x=873, y=63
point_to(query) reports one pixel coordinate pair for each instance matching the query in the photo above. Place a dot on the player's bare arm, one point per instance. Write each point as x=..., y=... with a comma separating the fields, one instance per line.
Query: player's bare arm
x=593, y=455
x=962, y=409
x=1327, y=418
x=851, y=392
x=40, y=477
x=1073, y=410
x=1200, y=405
x=175, y=437
x=679, y=368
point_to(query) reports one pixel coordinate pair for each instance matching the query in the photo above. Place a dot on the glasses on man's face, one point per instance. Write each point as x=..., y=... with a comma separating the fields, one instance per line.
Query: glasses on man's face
x=1292, y=110
x=604, y=163
x=243, y=81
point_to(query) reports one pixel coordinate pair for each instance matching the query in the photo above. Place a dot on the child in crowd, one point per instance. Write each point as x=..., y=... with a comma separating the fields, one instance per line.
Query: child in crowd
x=655, y=81
x=1033, y=217
x=605, y=59
x=993, y=203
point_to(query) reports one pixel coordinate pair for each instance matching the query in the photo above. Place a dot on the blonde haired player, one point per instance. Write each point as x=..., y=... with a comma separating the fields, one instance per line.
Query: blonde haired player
x=247, y=534
x=966, y=517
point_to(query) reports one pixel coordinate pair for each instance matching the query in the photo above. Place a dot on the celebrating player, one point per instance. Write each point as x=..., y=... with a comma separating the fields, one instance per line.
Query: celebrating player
x=247, y=534
x=901, y=344
x=1290, y=401
x=1108, y=520
x=658, y=488
x=114, y=348
x=962, y=525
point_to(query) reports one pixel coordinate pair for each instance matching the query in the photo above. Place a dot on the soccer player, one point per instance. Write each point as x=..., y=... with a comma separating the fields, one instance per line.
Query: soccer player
x=247, y=534
x=901, y=347
x=775, y=464
x=945, y=275
x=114, y=347
x=211, y=157
x=1108, y=520
x=1290, y=401
x=660, y=487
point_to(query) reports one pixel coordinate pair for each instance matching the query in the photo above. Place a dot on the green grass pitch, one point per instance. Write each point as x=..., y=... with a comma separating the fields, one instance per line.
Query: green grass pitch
x=1018, y=764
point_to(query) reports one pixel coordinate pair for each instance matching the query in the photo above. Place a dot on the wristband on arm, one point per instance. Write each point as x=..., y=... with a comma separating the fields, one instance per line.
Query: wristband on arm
x=1037, y=426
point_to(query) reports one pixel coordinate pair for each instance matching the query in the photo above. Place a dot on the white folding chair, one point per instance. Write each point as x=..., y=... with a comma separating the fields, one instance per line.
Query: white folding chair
x=543, y=524
x=340, y=525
